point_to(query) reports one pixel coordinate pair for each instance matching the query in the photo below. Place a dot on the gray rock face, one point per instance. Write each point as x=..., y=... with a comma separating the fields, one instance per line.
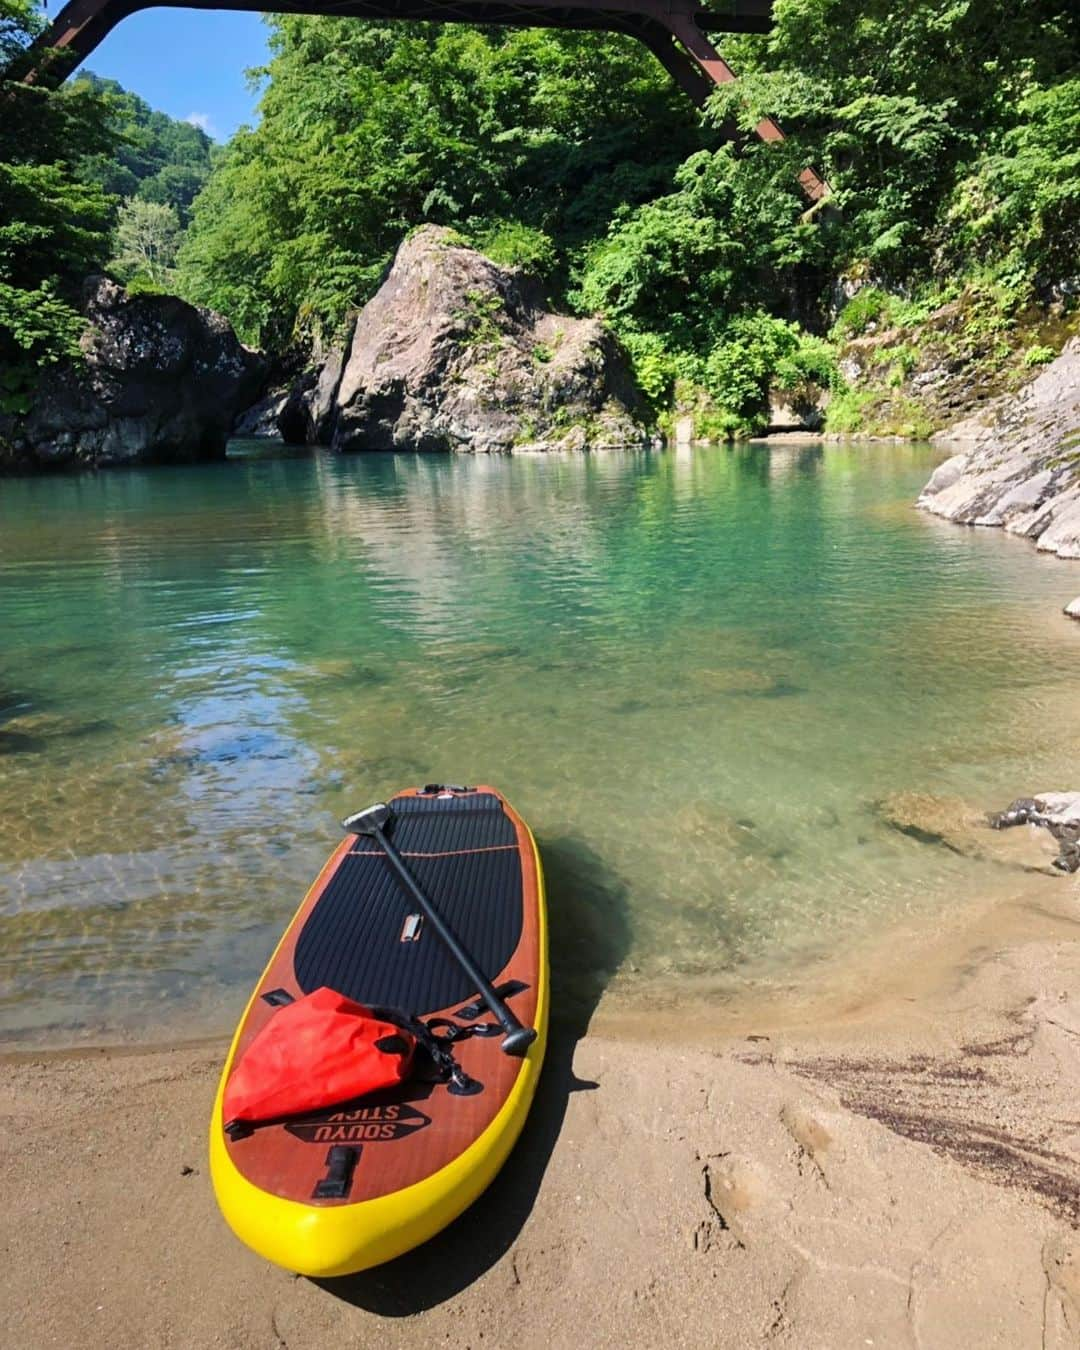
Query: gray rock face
x=261, y=419
x=161, y=381
x=1020, y=466
x=308, y=415
x=322, y=405
x=802, y=412
x=457, y=353
x=1056, y=812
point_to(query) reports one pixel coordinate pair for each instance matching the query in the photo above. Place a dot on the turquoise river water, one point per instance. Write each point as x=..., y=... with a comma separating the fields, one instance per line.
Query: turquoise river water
x=695, y=673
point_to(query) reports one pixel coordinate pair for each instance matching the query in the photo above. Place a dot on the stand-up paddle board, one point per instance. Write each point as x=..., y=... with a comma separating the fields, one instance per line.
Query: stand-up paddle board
x=433, y=907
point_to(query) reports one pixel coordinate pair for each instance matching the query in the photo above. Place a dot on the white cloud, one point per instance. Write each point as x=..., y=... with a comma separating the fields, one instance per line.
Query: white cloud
x=203, y=122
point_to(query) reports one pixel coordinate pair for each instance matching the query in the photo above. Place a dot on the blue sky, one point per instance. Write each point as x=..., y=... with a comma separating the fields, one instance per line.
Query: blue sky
x=189, y=63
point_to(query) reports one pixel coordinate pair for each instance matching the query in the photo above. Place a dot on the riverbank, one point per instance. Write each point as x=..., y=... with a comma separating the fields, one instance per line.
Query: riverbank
x=1020, y=467
x=903, y=1171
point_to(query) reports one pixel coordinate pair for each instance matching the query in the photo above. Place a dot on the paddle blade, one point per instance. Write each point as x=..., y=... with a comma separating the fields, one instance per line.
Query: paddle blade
x=518, y=1041
x=371, y=821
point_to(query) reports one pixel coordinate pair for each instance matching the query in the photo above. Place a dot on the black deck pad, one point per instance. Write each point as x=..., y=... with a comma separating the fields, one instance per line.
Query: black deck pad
x=351, y=941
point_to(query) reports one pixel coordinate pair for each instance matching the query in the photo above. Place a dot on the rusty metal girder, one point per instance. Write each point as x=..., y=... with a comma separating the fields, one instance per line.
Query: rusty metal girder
x=675, y=31
x=82, y=24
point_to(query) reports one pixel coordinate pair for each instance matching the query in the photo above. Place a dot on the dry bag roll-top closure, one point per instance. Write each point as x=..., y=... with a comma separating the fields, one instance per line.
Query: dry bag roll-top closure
x=316, y=1052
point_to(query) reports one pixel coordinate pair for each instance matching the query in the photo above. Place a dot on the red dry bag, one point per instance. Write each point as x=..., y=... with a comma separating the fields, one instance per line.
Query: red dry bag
x=322, y=1050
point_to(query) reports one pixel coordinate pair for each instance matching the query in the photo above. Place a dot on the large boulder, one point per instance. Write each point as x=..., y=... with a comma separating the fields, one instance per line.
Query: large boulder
x=160, y=380
x=455, y=352
x=1020, y=462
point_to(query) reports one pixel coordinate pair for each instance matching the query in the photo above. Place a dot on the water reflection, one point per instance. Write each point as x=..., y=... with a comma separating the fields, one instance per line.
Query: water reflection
x=694, y=672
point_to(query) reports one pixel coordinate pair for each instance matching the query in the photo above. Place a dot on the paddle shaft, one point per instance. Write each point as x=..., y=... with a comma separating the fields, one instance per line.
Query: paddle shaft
x=518, y=1038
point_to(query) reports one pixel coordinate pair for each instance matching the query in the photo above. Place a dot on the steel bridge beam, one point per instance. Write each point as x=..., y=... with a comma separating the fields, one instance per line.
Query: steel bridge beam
x=675, y=31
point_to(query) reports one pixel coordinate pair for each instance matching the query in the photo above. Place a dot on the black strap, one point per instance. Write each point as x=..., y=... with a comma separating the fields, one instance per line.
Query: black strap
x=437, y=1047
x=504, y=991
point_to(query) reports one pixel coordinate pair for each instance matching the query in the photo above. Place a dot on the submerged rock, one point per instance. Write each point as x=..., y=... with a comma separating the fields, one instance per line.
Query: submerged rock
x=703, y=823
x=960, y=827
x=1021, y=465
x=932, y=819
x=734, y=845
x=159, y=381
x=455, y=352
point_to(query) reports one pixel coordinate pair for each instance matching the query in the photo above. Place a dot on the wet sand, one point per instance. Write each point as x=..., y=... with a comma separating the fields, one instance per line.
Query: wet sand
x=893, y=1170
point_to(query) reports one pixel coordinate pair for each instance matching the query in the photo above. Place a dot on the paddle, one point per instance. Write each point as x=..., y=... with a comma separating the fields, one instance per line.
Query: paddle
x=371, y=823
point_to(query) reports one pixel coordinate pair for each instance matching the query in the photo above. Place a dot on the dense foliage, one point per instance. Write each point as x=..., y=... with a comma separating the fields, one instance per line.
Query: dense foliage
x=156, y=167
x=526, y=141
x=928, y=118
x=949, y=132
x=54, y=224
x=90, y=177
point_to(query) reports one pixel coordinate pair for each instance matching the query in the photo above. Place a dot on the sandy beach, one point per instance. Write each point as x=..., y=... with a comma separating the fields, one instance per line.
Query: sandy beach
x=900, y=1171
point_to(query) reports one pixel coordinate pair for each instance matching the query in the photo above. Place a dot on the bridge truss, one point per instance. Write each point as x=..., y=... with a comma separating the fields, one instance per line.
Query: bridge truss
x=675, y=31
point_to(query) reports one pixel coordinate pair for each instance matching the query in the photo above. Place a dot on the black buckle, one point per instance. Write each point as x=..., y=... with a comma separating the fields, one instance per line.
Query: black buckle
x=445, y=1031
x=461, y=1085
x=484, y=1029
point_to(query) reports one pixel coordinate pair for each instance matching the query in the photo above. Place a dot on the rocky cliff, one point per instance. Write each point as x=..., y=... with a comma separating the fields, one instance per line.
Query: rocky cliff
x=455, y=352
x=1019, y=462
x=159, y=381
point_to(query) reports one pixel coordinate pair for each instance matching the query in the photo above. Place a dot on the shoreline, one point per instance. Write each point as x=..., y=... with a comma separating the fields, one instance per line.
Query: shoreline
x=910, y=1176
x=860, y=985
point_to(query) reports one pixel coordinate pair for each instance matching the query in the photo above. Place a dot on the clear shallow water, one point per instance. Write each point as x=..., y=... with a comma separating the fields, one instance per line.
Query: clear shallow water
x=695, y=673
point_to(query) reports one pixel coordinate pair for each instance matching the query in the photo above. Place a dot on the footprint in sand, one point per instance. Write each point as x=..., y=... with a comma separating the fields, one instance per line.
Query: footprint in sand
x=733, y=1186
x=812, y=1137
x=1061, y=1261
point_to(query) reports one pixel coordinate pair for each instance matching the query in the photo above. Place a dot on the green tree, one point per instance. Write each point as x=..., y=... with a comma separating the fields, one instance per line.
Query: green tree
x=1020, y=203
x=54, y=225
x=523, y=139
x=145, y=242
x=949, y=131
x=902, y=106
